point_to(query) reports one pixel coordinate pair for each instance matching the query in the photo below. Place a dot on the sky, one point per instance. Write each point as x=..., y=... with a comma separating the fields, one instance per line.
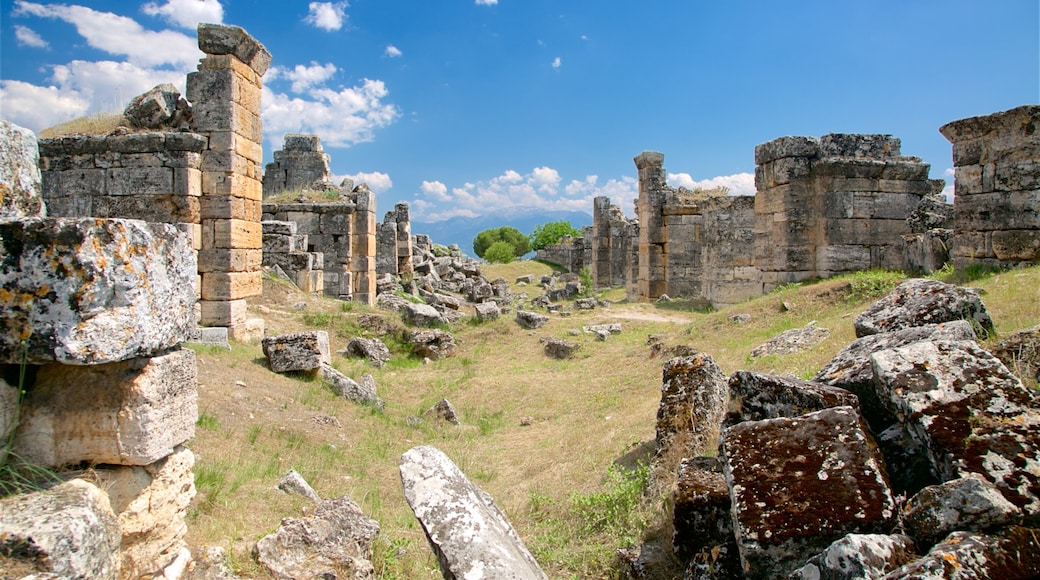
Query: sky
x=475, y=107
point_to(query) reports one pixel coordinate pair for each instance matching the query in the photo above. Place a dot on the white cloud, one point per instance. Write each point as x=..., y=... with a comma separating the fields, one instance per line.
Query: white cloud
x=557, y=63
x=342, y=118
x=377, y=181
x=950, y=176
x=187, y=13
x=327, y=15
x=392, y=51
x=486, y=2
x=538, y=189
x=120, y=35
x=738, y=184
x=28, y=37
x=301, y=76
x=36, y=108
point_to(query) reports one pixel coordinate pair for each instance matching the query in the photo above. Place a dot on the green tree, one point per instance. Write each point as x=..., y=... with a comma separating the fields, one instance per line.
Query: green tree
x=500, y=253
x=507, y=234
x=551, y=233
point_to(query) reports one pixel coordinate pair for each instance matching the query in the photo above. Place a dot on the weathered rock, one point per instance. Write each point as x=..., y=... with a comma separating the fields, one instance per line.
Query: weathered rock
x=969, y=411
x=444, y=411
x=211, y=564
x=791, y=341
x=153, y=109
x=335, y=542
x=651, y=559
x=92, y=291
x=759, y=396
x=432, y=344
x=346, y=387
x=798, y=484
x=68, y=531
x=859, y=556
x=133, y=412
x=421, y=315
x=469, y=533
x=151, y=503
x=906, y=460
x=851, y=369
x=968, y=504
x=693, y=403
x=525, y=279
x=294, y=483
x=372, y=349
x=530, y=320
x=612, y=328
x=20, y=194
x=702, y=521
x=1012, y=555
x=218, y=39
x=487, y=311
x=1020, y=352
x=298, y=351
x=561, y=349
x=921, y=301
x=586, y=303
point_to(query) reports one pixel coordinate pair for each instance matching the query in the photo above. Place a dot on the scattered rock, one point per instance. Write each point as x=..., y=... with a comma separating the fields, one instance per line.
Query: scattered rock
x=421, y=315
x=612, y=328
x=702, y=521
x=585, y=303
x=469, y=533
x=211, y=564
x=1020, y=352
x=20, y=194
x=1014, y=554
x=432, y=344
x=444, y=411
x=487, y=311
x=299, y=351
x=792, y=341
x=922, y=301
x=694, y=394
x=858, y=556
x=372, y=349
x=153, y=109
x=968, y=504
x=525, y=279
x=561, y=349
x=740, y=318
x=759, y=396
x=346, y=387
x=336, y=540
x=294, y=483
x=530, y=320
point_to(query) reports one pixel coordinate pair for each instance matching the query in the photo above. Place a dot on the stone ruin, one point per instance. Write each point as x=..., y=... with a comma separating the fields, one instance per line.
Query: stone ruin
x=301, y=164
x=569, y=253
x=205, y=180
x=394, y=243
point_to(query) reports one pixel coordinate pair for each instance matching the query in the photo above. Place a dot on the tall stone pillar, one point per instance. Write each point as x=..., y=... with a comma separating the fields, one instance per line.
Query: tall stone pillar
x=599, y=266
x=404, y=239
x=996, y=205
x=363, y=248
x=225, y=95
x=651, y=282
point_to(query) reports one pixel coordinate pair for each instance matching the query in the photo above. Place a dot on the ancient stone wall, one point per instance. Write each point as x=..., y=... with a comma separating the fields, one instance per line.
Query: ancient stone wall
x=287, y=250
x=394, y=243
x=300, y=164
x=729, y=271
x=996, y=188
x=570, y=253
x=609, y=242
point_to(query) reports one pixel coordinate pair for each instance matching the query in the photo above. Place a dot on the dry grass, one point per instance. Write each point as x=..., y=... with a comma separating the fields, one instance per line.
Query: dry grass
x=539, y=435
x=96, y=124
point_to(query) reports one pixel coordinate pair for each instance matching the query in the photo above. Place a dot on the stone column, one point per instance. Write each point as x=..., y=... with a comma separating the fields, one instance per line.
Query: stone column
x=599, y=267
x=652, y=277
x=363, y=248
x=225, y=94
x=996, y=188
x=404, y=239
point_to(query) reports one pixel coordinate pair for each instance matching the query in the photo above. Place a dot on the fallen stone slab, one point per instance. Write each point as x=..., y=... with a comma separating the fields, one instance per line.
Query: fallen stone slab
x=443, y=410
x=792, y=341
x=294, y=483
x=968, y=504
x=798, y=484
x=561, y=349
x=134, y=412
x=612, y=328
x=154, y=108
x=969, y=412
x=298, y=351
x=859, y=556
x=20, y=193
x=346, y=387
x=421, y=315
x=702, y=521
x=1011, y=555
x=921, y=301
x=372, y=349
x=694, y=394
x=469, y=533
x=93, y=291
x=432, y=344
x=530, y=320
x=337, y=539
x=760, y=396
x=486, y=311
x=68, y=531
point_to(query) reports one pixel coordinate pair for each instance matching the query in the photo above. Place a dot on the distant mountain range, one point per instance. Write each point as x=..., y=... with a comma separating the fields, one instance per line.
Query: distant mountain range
x=461, y=230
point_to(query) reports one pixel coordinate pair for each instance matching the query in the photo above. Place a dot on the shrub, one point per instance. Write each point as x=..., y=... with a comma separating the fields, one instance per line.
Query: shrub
x=507, y=234
x=551, y=233
x=500, y=253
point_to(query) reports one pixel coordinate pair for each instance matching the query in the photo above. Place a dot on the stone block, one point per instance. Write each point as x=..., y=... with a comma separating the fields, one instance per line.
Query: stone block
x=138, y=180
x=337, y=223
x=1004, y=135
x=218, y=39
x=231, y=142
x=1010, y=246
x=920, y=301
x=234, y=234
x=859, y=556
x=67, y=531
x=760, y=396
x=693, y=403
x=786, y=147
x=187, y=181
x=186, y=142
x=20, y=181
x=73, y=182
x=163, y=208
x=299, y=351
x=998, y=210
x=798, y=484
x=701, y=522
x=859, y=145
x=229, y=207
x=151, y=503
x=864, y=170
x=882, y=205
x=835, y=258
x=133, y=412
x=229, y=260
x=251, y=331
x=150, y=142
x=231, y=285
x=90, y=291
x=212, y=115
x=1013, y=553
x=310, y=281
x=864, y=231
x=223, y=312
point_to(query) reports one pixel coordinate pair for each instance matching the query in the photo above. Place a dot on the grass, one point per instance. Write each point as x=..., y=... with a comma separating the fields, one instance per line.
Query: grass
x=96, y=124
x=547, y=439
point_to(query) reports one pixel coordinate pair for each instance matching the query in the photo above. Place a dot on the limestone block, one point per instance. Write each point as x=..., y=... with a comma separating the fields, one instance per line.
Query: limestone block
x=231, y=285
x=274, y=244
x=468, y=532
x=859, y=556
x=229, y=207
x=162, y=208
x=786, y=147
x=224, y=260
x=20, y=181
x=421, y=315
x=90, y=291
x=125, y=413
x=74, y=181
x=859, y=145
x=223, y=312
x=760, y=396
x=310, y=282
x=337, y=223
x=693, y=403
x=432, y=343
x=216, y=115
x=218, y=39
x=151, y=503
x=372, y=349
x=998, y=210
x=1005, y=135
x=344, y=386
x=530, y=320
x=970, y=413
x=920, y=301
x=154, y=108
x=843, y=258
x=968, y=504
x=1014, y=553
x=231, y=142
x=68, y=531
x=862, y=169
x=138, y=180
x=187, y=181
x=235, y=234
x=798, y=484
x=250, y=331
x=227, y=162
x=298, y=351
x=702, y=524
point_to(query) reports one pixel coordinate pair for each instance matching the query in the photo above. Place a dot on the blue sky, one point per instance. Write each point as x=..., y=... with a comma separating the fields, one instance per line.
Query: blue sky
x=467, y=107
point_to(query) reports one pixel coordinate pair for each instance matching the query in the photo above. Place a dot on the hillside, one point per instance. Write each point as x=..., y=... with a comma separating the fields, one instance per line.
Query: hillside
x=539, y=435
x=461, y=230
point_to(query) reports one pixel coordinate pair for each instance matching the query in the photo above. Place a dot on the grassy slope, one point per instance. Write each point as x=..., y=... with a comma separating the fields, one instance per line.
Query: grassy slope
x=584, y=415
